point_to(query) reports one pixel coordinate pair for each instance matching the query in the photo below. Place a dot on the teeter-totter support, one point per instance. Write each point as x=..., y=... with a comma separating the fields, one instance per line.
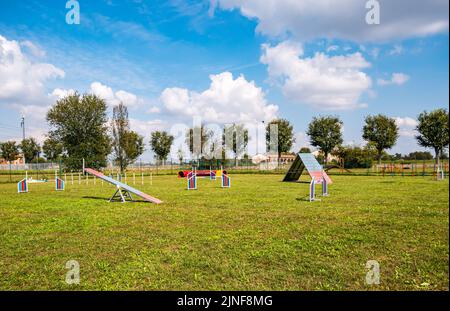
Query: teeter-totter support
x=121, y=195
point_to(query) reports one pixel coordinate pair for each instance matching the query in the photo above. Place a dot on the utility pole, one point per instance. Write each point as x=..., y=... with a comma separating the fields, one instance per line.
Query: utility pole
x=22, y=125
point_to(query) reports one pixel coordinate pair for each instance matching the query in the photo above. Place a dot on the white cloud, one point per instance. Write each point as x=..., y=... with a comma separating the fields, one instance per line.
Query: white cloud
x=114, y=98
x=144, y=128
x=406, y=126
x=396, y=78
x=332, y=48
x=227, y=100
x=324, y=82
x=301, y=140
x=33, y=49
x=310, y=19
x=21, y=80
x=154, y=109
x=396, y=50
x=375, y=52
x=61, y=93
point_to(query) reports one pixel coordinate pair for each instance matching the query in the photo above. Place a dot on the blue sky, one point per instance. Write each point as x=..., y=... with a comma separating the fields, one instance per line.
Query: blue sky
x=170, y=60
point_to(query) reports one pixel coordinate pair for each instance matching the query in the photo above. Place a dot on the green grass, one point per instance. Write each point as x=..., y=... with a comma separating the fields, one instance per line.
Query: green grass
x=260, y=234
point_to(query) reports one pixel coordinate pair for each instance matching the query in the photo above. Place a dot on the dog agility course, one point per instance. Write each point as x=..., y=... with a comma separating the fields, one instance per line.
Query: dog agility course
x=259, y=234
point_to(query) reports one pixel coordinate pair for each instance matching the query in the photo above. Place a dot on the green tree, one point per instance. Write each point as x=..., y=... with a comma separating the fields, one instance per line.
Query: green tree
x=205, y=136
x=236, y=139
x=354, y=157
x=305, y=150
x=433, y=131
x=127, y=145
x=30, y=149
x=161, y=142
x=10, y=152
x=79, y=123
x=285, y=135
x=419, y=155
x=325, y=133
x=52, y=149
x=380, y=131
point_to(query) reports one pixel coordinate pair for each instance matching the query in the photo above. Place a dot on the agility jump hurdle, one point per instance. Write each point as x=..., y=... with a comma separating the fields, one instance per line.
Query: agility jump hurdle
x=312, y=188
x=59, y=184
x=191, y=180
x=22, y=186
x=226, y=181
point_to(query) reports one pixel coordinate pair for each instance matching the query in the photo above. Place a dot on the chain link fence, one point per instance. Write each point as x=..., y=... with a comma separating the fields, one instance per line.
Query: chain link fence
x=48, y=171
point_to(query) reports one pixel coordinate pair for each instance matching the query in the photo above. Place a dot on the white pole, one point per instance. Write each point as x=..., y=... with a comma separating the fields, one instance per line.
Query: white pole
x=142, y=178
x=79, y=178
x=134, y=178
x=151, y=179
x=72, y=178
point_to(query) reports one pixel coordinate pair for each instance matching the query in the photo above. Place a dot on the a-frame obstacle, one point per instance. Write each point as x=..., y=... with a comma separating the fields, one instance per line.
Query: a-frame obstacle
x=306, y=161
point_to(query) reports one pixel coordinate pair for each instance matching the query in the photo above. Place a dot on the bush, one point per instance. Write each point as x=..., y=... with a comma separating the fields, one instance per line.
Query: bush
x=355, y=157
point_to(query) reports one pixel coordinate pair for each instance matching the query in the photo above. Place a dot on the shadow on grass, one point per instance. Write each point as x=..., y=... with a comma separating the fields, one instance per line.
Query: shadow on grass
x=107, y=199
x=305, y=199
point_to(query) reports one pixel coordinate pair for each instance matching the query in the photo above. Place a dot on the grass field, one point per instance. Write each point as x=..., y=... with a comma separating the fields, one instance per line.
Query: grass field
x=260, y=234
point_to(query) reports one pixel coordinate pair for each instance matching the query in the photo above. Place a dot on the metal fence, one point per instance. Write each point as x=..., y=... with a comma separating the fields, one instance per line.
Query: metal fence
x=171, y=167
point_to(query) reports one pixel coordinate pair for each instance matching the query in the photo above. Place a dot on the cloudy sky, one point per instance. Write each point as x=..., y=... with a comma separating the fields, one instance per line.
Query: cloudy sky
x=226, y=61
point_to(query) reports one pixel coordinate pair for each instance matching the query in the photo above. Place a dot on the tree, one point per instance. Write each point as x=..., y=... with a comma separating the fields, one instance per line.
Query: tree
x=325, y=133
x=419, y=155
x=9, y=152
x=354, y=157
x=380, y=131
x=161, y=142
x=79, y=123
x=127, y=145
x=52, y=148
x=305, y=150
x=236, y=139
x=285, y=135
x=204, y=137
x=30, y=149
x=433, y=131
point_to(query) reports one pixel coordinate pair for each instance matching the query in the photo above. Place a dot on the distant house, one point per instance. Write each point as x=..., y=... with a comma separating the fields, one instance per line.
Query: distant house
x=284, y=158
x=19, y=160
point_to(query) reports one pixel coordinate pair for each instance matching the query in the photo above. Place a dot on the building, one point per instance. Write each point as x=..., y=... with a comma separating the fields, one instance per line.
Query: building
x=19, y=160
x=285, y=158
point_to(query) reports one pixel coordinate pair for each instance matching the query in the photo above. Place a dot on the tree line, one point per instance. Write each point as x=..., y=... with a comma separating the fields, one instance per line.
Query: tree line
x=80, y=129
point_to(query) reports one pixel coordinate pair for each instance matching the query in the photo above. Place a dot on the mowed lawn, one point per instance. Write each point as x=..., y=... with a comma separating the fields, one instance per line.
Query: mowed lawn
x=261, y=234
